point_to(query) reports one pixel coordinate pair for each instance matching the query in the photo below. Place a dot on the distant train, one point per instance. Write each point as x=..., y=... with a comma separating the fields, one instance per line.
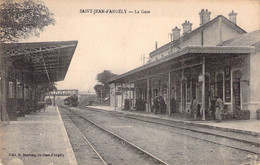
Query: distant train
x=71, y=101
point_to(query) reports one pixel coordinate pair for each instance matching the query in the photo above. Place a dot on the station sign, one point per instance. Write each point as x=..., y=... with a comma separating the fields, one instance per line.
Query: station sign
x=200, y=78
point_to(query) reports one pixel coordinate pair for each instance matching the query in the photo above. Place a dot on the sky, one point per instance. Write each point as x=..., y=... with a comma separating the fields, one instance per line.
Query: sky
x=116, y=41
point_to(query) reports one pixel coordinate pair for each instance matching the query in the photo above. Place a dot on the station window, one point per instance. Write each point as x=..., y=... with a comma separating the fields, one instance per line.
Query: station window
x=33, y=95
x=220, y=83
x=30, y=94
x=20, y=91
x=11, y=90
x=26, y=92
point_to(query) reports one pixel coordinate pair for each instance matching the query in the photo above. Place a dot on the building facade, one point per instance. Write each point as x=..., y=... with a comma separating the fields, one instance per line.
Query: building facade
x=218, y=58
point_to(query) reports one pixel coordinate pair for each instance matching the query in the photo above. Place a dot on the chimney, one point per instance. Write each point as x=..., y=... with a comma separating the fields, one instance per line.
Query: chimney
x=187, y=26
x=156, y=46
x=204, y=16
x=175, y=33
x=233, y=17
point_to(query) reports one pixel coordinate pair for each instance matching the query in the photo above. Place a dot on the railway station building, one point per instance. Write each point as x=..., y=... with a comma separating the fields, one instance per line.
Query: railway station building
x=218, y=58
x=24, y=66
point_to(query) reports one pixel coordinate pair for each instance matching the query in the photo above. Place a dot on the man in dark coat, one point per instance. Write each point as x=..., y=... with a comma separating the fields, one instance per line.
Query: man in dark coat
x=213, y=107
x=156, y=105
x=162, y=105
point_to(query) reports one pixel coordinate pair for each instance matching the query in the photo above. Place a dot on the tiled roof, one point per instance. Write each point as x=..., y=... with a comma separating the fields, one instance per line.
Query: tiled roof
x=247, y=39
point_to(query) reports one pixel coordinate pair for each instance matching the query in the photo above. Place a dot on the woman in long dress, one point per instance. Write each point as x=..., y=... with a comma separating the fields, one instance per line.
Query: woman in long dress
x=219, y=109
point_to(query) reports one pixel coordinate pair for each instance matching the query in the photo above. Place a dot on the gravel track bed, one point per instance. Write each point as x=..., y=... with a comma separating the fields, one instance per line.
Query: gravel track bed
x=247, y=137
x=212, y=138
x=112, y=150
x=83, y=152
x=236, y=135
x=165, y=143
x=249, y=142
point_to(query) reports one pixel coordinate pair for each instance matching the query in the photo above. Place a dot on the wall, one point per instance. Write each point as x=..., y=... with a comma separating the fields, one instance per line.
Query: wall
x=211, y=35
x=228, y=32
x=164, y=53
x=13, y=99
x=193, y=40
x=254, y=81
x=112, y=95
x=243, y=64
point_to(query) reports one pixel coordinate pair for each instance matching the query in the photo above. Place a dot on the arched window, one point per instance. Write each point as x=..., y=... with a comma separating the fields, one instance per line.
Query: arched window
x=219, y=90
x=237, y=89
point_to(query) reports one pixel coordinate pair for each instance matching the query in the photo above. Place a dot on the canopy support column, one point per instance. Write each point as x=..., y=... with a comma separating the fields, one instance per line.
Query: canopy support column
x=115, y=95
x=23, y=96
x=169, y=93
x=3, y=92
x=35, y=96
x=181, y=82
x=122, y=97
x=203, y=88
x=148, y=109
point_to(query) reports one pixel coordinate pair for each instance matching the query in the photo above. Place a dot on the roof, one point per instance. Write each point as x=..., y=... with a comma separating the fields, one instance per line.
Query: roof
x=248, y=39
x=206, y=50
x=46, y=61
x=178, y=40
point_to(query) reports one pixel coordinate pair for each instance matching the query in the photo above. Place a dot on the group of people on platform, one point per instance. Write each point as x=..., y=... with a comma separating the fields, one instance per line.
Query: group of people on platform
x=159, y=106
x=216, y=108
x=140, y=104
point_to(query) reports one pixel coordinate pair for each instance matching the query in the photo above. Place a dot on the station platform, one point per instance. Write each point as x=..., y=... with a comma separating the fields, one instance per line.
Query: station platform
x=38, y=138
x=240, y=126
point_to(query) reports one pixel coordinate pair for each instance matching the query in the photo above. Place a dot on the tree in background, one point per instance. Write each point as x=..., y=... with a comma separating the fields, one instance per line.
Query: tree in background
x=44, y=88
x=105, y=76
x=99, y=88
x=102, y=90
x=20, y=19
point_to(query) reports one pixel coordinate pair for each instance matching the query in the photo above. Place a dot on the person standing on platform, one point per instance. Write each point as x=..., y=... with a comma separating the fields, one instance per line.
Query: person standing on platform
x=162, y=105
x=173, y=105
x=219, y=109
x=138, y=104
x=194, y=107
x=213, y=107
x=156, y=105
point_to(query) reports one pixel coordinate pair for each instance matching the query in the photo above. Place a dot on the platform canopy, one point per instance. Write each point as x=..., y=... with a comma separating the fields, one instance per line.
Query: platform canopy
x=190, y=55
x=45, y=61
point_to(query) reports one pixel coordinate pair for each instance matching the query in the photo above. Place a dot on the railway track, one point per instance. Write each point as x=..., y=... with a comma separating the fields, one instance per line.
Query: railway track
x=231, y=142
x=150, y=158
